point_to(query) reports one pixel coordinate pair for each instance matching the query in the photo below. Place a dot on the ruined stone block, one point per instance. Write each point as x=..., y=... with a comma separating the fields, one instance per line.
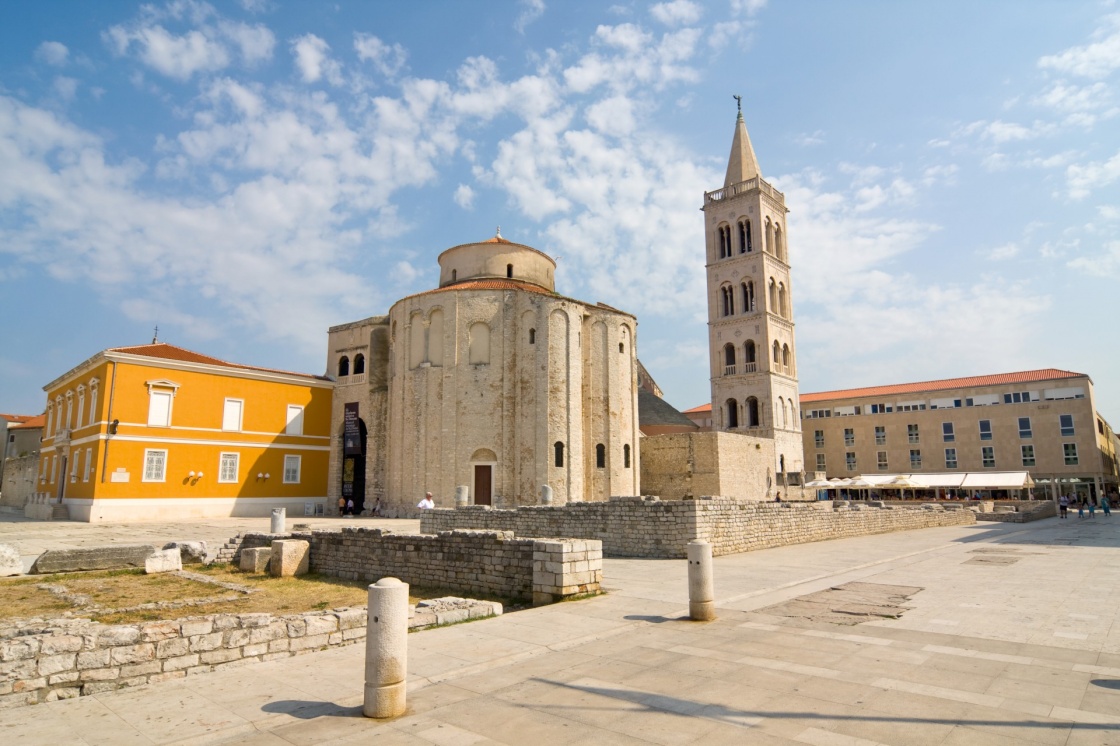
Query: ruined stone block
x=10, y=562
x=290, y=557
x=255, y=560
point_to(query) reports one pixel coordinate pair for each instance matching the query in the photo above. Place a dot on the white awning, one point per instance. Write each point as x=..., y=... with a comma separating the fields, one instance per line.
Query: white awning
x=1005, y=480
x=996, y=480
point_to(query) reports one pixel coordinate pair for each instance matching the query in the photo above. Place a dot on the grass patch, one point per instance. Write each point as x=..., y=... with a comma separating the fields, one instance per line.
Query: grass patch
x=111, y=596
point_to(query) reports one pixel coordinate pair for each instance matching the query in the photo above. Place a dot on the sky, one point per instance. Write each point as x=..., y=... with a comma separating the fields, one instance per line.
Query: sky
x=246, y=174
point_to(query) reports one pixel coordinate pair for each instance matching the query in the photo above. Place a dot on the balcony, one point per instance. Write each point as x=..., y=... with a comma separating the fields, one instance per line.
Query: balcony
x=730, y=370
x=750, y=367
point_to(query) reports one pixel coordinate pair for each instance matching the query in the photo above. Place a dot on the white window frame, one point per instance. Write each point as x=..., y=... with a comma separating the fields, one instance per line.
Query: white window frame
x=951, y=460
x=881, y=437
x=81, y=406
x=240, y=415
x=291, y=458
x=915, y=458
x=89, y=463
x=881, y=460
x=163, y=472
x=152, y=398
x=820, y=462
x=850, y=460
x=74, y=464
x=1067, y=449
x=222, y=457
x=984, y=452
x=1023, y=449
x=1066, y=432
x=93, y=386
x=54, y=469
x=50, y=418
x=293, y=425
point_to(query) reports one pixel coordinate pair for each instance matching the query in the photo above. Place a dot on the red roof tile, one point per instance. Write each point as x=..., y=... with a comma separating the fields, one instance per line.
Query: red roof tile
x=699, y=410
x=165, y=351
x=18, y=419
x=38, y=420
x=1026, y=376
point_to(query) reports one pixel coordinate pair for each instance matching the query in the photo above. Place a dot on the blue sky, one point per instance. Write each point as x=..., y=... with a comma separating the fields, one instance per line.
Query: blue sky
x=246, y=174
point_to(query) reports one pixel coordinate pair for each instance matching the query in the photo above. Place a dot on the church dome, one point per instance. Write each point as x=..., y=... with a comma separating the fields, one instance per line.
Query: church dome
x=496, y=258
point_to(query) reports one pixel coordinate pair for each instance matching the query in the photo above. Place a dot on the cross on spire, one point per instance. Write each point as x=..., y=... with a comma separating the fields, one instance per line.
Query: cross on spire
x=738, y=101
x=155, y=335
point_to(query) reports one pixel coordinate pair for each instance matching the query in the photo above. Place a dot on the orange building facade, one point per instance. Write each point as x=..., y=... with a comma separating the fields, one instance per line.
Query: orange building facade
x=158, y=432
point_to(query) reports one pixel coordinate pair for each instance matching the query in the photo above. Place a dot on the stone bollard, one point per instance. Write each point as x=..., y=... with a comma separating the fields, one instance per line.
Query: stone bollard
x=278, y=515
x=462, y=496
x=546, y=495
x=386, y=649
x=701, y=591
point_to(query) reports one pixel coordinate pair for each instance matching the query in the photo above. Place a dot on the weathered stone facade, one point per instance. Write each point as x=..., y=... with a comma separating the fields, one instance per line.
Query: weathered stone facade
x=650, y=527
x=492, y=381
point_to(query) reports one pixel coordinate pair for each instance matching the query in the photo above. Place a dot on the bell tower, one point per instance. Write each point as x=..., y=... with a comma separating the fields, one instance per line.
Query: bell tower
x=750, y=308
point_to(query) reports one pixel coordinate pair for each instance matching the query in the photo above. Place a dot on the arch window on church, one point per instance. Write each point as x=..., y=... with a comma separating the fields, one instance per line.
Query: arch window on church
x=773, y=296
x=752, y=412
x=769, y=245
x=785, y=358
x=783, y=301
x=727, y=300
x=750, y=360
x=745, y=237
x=558, y=453
x=779, y=249
x=509, y=270
x=724, y=241
x=532, y=336
x=729, y=359
x=343, y=366
x=731, y=408
x=359, y=364
x=479, y=343
x=435, y=337
x=626, y=456
x=748, y=296
x=600, y=456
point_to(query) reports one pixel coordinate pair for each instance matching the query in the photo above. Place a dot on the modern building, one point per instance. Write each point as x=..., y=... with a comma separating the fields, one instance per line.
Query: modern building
x=159, y=432
x=1044, y=422
x=491, y=381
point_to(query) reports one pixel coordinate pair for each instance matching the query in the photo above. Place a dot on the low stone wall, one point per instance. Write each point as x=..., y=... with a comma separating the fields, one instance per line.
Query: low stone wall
x=483, y=562
x=43, y=661
x=1025, y=512
x=650, y=527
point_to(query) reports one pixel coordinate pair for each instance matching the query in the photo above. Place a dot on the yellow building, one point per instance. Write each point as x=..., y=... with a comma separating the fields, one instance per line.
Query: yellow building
x=159, y=432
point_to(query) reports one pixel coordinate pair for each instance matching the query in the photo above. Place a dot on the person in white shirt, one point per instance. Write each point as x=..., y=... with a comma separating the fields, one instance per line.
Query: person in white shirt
x=426, y=503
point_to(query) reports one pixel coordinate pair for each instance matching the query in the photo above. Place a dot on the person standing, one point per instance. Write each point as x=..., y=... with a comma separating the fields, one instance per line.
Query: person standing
x=1063, y=506
x=427, y=503
x=341, y=507
x=1080, y=507
x=350, y=507
x=1105, y=506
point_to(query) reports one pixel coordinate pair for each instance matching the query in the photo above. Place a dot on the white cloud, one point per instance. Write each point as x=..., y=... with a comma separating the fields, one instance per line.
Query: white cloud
x=632, y=56
x=387, y=59
x=52, y=53
x=531, y=10
x=1096, y=60
x=1081, y=180
x=1001, y=132
x=65, y=87
x=1066, y=97
x=676, y=12
x=612, y=116
x=464, y=197
x=808, y=140
x=944, y=174
x=1106, y=264
x=312, y=57
x=210, y=45
x=1001, y=253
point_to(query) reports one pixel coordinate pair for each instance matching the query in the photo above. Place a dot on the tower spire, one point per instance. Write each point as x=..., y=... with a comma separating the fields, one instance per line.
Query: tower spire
x=742, y=165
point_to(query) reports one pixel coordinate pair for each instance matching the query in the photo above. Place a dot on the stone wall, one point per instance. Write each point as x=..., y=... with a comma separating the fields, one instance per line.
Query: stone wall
x=483, y=562
x=650, y=527
x=19, y=480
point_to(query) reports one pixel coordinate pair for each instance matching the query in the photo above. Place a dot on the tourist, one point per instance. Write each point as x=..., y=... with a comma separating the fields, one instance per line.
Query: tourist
x=1080, y=507
x=350, y=507
x=1092, y=508
x=778, y=499
x=341, y=507
x=377, y=508
x=427, y=503
x=1105, y=506
x=1063, y=505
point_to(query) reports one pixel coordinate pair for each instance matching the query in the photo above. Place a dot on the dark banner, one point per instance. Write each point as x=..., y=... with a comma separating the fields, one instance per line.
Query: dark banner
x=351, y=433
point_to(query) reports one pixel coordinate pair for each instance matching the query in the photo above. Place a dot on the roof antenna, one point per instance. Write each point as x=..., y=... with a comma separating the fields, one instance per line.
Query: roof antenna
x=155, y=335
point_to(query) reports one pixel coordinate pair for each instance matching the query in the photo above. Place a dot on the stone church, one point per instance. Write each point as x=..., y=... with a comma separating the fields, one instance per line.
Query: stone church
x=491, y=381
x=494, y=382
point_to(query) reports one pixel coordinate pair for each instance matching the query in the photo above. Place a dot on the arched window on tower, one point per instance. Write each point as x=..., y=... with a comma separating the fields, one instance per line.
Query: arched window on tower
x=781, y=414
x=777, y=353
x=626, y=456
x=343, y=366
x=600, y=456
x=479, y=338
x=748, y=296
x=768, y=239
x=752, y=412
x=783, y=302
x=727, y=298
x=745, y=237
x=731, y=407
x=779, y=249
x=532, y=336
x=749, y=359
x=786, y=361
x=723, y=250
x=773, y=296
x=729, y=359
x=359, y=364
x=558, y=449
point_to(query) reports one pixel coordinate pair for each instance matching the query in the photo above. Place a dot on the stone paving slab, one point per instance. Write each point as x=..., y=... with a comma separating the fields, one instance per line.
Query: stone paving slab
x=994, y=654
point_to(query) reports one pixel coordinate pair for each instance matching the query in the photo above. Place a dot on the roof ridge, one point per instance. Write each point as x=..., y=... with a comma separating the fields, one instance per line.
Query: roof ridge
x=995, y=379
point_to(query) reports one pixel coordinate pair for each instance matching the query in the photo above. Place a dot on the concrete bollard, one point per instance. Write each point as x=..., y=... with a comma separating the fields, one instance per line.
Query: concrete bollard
x=278, y=516
x=386, y=649
x=701, y=590
x=462, y=496
x=546, y=495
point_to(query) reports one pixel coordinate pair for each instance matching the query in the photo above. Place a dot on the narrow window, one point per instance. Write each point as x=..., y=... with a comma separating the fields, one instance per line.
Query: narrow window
x=912, y=433
x=81, y=405
x=729, y=359
x=532, y=336
x=947, y=432
x=985, y=429
x=1024, y=427
x=1070, y=452
x=291, y=469
x=732, y=414
x=881, y=460
x=621, y=348
x=818, y=438
x=343, y=366
x=227, y=467
x=558, y=448
x=155, y=465
x=1066, y=422
x=231, y=415
x=750, y=353
x=752, y=412
x=359, y=364
x=626, y=456
x=89, y=464
x=880, y=435
x=479, y=343
x=850, y=460
x=1028, y=455
x=509, y=270
x=294, y=424
x=820, y=462
x=915, y=458
x=159, y=409
x=454, y=275
x=988, y=457
x=742, y=237
x=950, y=458
x=849, y=436
x=600, y=456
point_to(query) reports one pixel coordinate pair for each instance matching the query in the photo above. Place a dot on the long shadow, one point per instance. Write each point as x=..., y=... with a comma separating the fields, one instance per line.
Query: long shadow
x=668, y=704
x=1074, y=531
x=309, y=710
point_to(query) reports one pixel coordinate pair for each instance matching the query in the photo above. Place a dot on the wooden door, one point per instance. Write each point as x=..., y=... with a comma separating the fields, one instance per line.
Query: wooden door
x=482, y=484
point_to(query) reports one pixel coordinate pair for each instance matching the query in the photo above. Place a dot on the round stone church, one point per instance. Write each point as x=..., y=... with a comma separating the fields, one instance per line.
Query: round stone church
x=490, y=381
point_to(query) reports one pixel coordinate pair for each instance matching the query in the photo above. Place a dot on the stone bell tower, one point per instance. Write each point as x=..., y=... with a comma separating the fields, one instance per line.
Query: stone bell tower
x=750, y=308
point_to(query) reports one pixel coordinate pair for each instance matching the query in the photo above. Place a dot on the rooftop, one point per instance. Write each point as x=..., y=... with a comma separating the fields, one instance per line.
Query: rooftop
x=164, y=351
x=999, y=379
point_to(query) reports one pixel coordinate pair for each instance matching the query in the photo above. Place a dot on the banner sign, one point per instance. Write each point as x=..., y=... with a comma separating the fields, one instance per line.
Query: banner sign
x=351, y=433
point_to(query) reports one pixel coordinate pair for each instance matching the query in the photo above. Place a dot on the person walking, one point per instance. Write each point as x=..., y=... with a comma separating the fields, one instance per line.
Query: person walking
x=1080, y=507
x=1105, y=506
x=1063, y=506
x=341, y=507
x=1092, y=508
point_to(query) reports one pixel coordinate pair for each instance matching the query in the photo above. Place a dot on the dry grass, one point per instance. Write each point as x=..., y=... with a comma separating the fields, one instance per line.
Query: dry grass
x=113, y=594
